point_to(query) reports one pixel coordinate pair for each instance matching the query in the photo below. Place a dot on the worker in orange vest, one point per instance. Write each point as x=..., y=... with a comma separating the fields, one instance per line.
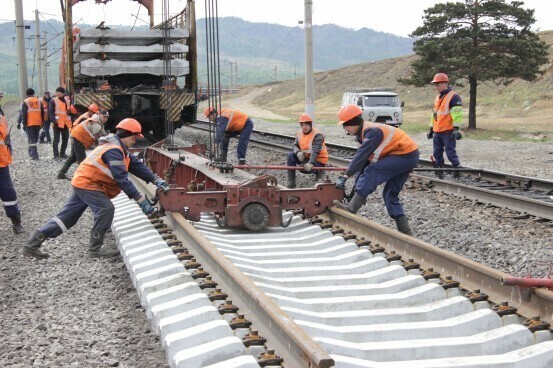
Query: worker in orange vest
x=7, y=192
x=82, y=137
x=231, y=123
x=32, y=114
x=92, y=109
x=98, y=179
x=58, y=110
x=309, y=151
x=45, y=133
x=385, y=155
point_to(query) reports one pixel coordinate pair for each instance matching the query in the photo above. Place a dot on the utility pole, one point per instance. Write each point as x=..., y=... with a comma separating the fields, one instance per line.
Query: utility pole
x=20, y=36
x=38, y=55
x=276, y=73
x=236, y=73
x=45, y=70
x=69, y=46
x=231, y=71
x=309, y=80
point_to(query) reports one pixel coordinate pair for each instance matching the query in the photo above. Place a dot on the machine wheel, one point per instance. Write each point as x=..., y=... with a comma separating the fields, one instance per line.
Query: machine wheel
x=255, y=216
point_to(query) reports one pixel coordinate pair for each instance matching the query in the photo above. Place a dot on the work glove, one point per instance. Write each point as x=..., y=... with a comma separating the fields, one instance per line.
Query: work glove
x=146, y=206
x=160, y=183
x=456, y=133
x=301, y=156
x=341, y=182
x=308, y=167
x=430, y=134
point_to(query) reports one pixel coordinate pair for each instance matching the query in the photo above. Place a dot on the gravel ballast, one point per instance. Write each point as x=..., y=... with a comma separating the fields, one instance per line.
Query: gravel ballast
x=71, y=311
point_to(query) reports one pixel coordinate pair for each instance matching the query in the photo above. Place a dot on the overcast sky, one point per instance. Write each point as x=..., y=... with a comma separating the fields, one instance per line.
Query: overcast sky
x=399, y=17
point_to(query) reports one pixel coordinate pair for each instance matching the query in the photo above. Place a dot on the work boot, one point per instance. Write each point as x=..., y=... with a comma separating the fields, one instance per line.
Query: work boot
x=439, y=174
x=63, y=177
x=354, y=204
x=64, y=156
x=16, y=225
x=319, y=174
x=291, y=179
x=456, y=174
x=95, y=245
x=242, y=161
x=403, y=225
x=32, y=248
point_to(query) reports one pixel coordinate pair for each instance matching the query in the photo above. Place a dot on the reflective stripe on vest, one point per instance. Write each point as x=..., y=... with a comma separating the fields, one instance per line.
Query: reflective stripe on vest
x=34, y=117
x=62, y=119
x=395, y=142
x=236, y=120
x=442, y=111
x=305, y=141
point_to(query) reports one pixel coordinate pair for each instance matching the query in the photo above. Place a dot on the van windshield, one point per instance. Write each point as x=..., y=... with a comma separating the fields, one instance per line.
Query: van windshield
x=371, y=101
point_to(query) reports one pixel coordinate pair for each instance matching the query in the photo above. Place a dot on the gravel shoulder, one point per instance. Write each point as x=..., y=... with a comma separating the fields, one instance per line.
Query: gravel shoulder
x=69, y=310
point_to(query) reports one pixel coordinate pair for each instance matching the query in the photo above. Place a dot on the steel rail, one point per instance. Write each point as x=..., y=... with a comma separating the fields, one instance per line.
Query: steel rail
x=290, y=341
x=470, y=274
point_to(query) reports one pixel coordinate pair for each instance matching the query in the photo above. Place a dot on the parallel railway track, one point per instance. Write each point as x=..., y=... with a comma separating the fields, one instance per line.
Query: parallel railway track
x=343, y=290
x=527, y=195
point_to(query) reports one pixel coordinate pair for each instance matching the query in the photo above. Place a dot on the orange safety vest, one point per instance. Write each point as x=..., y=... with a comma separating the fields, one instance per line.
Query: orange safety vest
x=94, y=174
x=44, y=108
x=395, y=142
x=83, y=134
x=34, y=117
x=5, y=155
x=62, y=117
x=442, y=112
x=236, y=120
x=306, y=140
x=83, y=117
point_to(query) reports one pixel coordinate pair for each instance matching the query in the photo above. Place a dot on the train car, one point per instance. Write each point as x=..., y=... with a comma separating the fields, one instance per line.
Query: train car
x=147, y=74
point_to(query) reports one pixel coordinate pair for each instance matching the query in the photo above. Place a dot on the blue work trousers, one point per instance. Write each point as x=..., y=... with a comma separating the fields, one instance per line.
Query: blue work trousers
x=292, y=160
x=7, y=193
x=243, y=140
x=394, y=171
x=64, y=134
x=445, y=141
x=45, y=133
x=80, y=200
x=32, y=138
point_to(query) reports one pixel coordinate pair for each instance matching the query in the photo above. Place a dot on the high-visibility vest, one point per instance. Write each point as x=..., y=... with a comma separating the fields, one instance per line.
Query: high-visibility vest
x=34, y=117
x=236, y=120
x=45, y=108
x=83, y=132
x=395, y=142
x=81, y=118
x=442, y=113
x=5, y=155
x=94, y=174
x=62, y=117
x=305, y=142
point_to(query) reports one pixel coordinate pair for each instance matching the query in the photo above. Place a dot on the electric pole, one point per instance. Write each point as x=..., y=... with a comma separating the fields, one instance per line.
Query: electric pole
x=20, y=37
x=231, y=71
x=69, y=47
x=45, y=70
x=38, y=55
x=276, y=73
x=309, y=80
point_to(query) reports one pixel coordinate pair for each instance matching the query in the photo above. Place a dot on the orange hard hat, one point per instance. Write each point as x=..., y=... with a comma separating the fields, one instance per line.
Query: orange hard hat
x=304, y=118
x=208, y=111
x=131, y=125
x=440, y=78
x=348, y=112
x=94, y=108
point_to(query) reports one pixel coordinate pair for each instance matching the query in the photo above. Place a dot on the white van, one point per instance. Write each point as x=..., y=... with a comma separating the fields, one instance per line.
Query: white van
x=379, y=105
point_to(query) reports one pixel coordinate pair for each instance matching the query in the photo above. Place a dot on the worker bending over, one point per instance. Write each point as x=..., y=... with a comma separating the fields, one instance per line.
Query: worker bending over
x=83, y=136
x=231, y=123
x=309, y=151
x=386, y=154
x=98, y=179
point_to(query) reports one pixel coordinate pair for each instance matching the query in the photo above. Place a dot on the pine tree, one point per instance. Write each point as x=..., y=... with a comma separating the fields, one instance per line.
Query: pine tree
x=477, y=40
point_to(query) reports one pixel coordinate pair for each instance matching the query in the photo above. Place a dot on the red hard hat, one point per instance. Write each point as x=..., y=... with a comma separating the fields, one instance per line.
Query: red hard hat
x=440, y=78
x=131, y=125
x=348, y=112
x=304, y=118
x=208, y=111
x=94, y=108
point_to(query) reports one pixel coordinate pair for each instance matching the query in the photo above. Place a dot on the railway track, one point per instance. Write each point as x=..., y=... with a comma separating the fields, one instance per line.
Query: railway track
x=337, y=290
x=527, y=195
